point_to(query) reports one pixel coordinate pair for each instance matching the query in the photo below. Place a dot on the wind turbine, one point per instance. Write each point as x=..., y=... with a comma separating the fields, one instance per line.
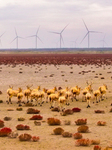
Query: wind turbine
x=75, y=42
x=60, y=34
x=0, y=37
x=88, y=34
x=103, y=40
x=16, y=38
x=36, y=37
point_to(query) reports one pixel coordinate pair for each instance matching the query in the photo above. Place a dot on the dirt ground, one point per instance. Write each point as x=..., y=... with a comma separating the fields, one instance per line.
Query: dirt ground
x=48, y=76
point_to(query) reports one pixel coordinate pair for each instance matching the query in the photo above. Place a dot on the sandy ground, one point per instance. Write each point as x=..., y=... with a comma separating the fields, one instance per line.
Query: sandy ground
x=49, y=76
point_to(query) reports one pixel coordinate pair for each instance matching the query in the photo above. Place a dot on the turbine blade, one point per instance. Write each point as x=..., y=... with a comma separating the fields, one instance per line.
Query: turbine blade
x=84, y=37
x=15, y=32
x=2, y=34
x=76, y=40
x=54, y=32
x=39, y=39
x=62, y=39
x=20, y=37
x=64, y=28
x=37, y=30
x=105, y=42
x=85, y=25
x=104, y=36
x=95, y=32
x=14, y=39
x=31, y=36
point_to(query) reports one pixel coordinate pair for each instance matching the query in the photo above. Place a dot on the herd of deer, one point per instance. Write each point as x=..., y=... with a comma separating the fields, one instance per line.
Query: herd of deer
x=59, y=96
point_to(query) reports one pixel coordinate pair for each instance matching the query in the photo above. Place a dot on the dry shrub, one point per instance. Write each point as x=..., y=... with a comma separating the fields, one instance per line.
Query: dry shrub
x=77, y=136
x=7, y=118
x=81, y=121
x=55, y=109
x=101, y=123
x=32, y=111
x=19, y=109
x=35, y=138
x=67, y=134
x=53, y=121
x=1, y=101
x=22, y=127
x=21, y=119
x=110, y=109
x=68, y=112
x=83, y=142
x=25, y=137
x=97, y=147
x=0, y=92
x=37, y=123
x=36, y=117
x=100, y=111
x=83, y=129
x=1, y=123
x=58, y=131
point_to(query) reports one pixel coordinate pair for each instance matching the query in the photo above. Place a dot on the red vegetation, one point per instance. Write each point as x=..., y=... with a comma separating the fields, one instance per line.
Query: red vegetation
x=1, y=123
x=32, y=111
x=56, y=59
x=81, y=121
x=25, y=137
x=76, y=109
x=36, y=117
x=77, y=136
x=35, y=138
x=58, y=131
x=53, y=121
x=5, y=131
x=83, y=142
x=101, y=123
x=100, y=111
x=22, y=127
x=97, y=147
x=83, y=129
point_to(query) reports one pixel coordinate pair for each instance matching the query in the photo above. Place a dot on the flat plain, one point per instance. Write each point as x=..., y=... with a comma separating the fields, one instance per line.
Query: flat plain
x=48, y=71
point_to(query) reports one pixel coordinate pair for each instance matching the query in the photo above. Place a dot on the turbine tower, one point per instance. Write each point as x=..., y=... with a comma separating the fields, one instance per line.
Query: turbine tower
x=88, y=34
x=16, y=38
x=36, y=37
x=0, y=37
x=60, y=34
x=103, y=41
x=75, y=42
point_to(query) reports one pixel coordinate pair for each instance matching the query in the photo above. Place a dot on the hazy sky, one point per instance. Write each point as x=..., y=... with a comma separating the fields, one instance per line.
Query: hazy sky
x=53, y=15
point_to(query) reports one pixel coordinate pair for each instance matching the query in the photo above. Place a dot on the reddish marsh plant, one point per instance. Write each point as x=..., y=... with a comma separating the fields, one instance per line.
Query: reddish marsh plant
x=97, y=147
x=35, y=138
x=25, y=137
x=1, y=123
x=53, y=121
x=77, y=136
x=5, y=131
x=83, y=129
x=76, y=109
x=81, y=121
x=22, y=127
x=36, y=117
x=83, y=142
